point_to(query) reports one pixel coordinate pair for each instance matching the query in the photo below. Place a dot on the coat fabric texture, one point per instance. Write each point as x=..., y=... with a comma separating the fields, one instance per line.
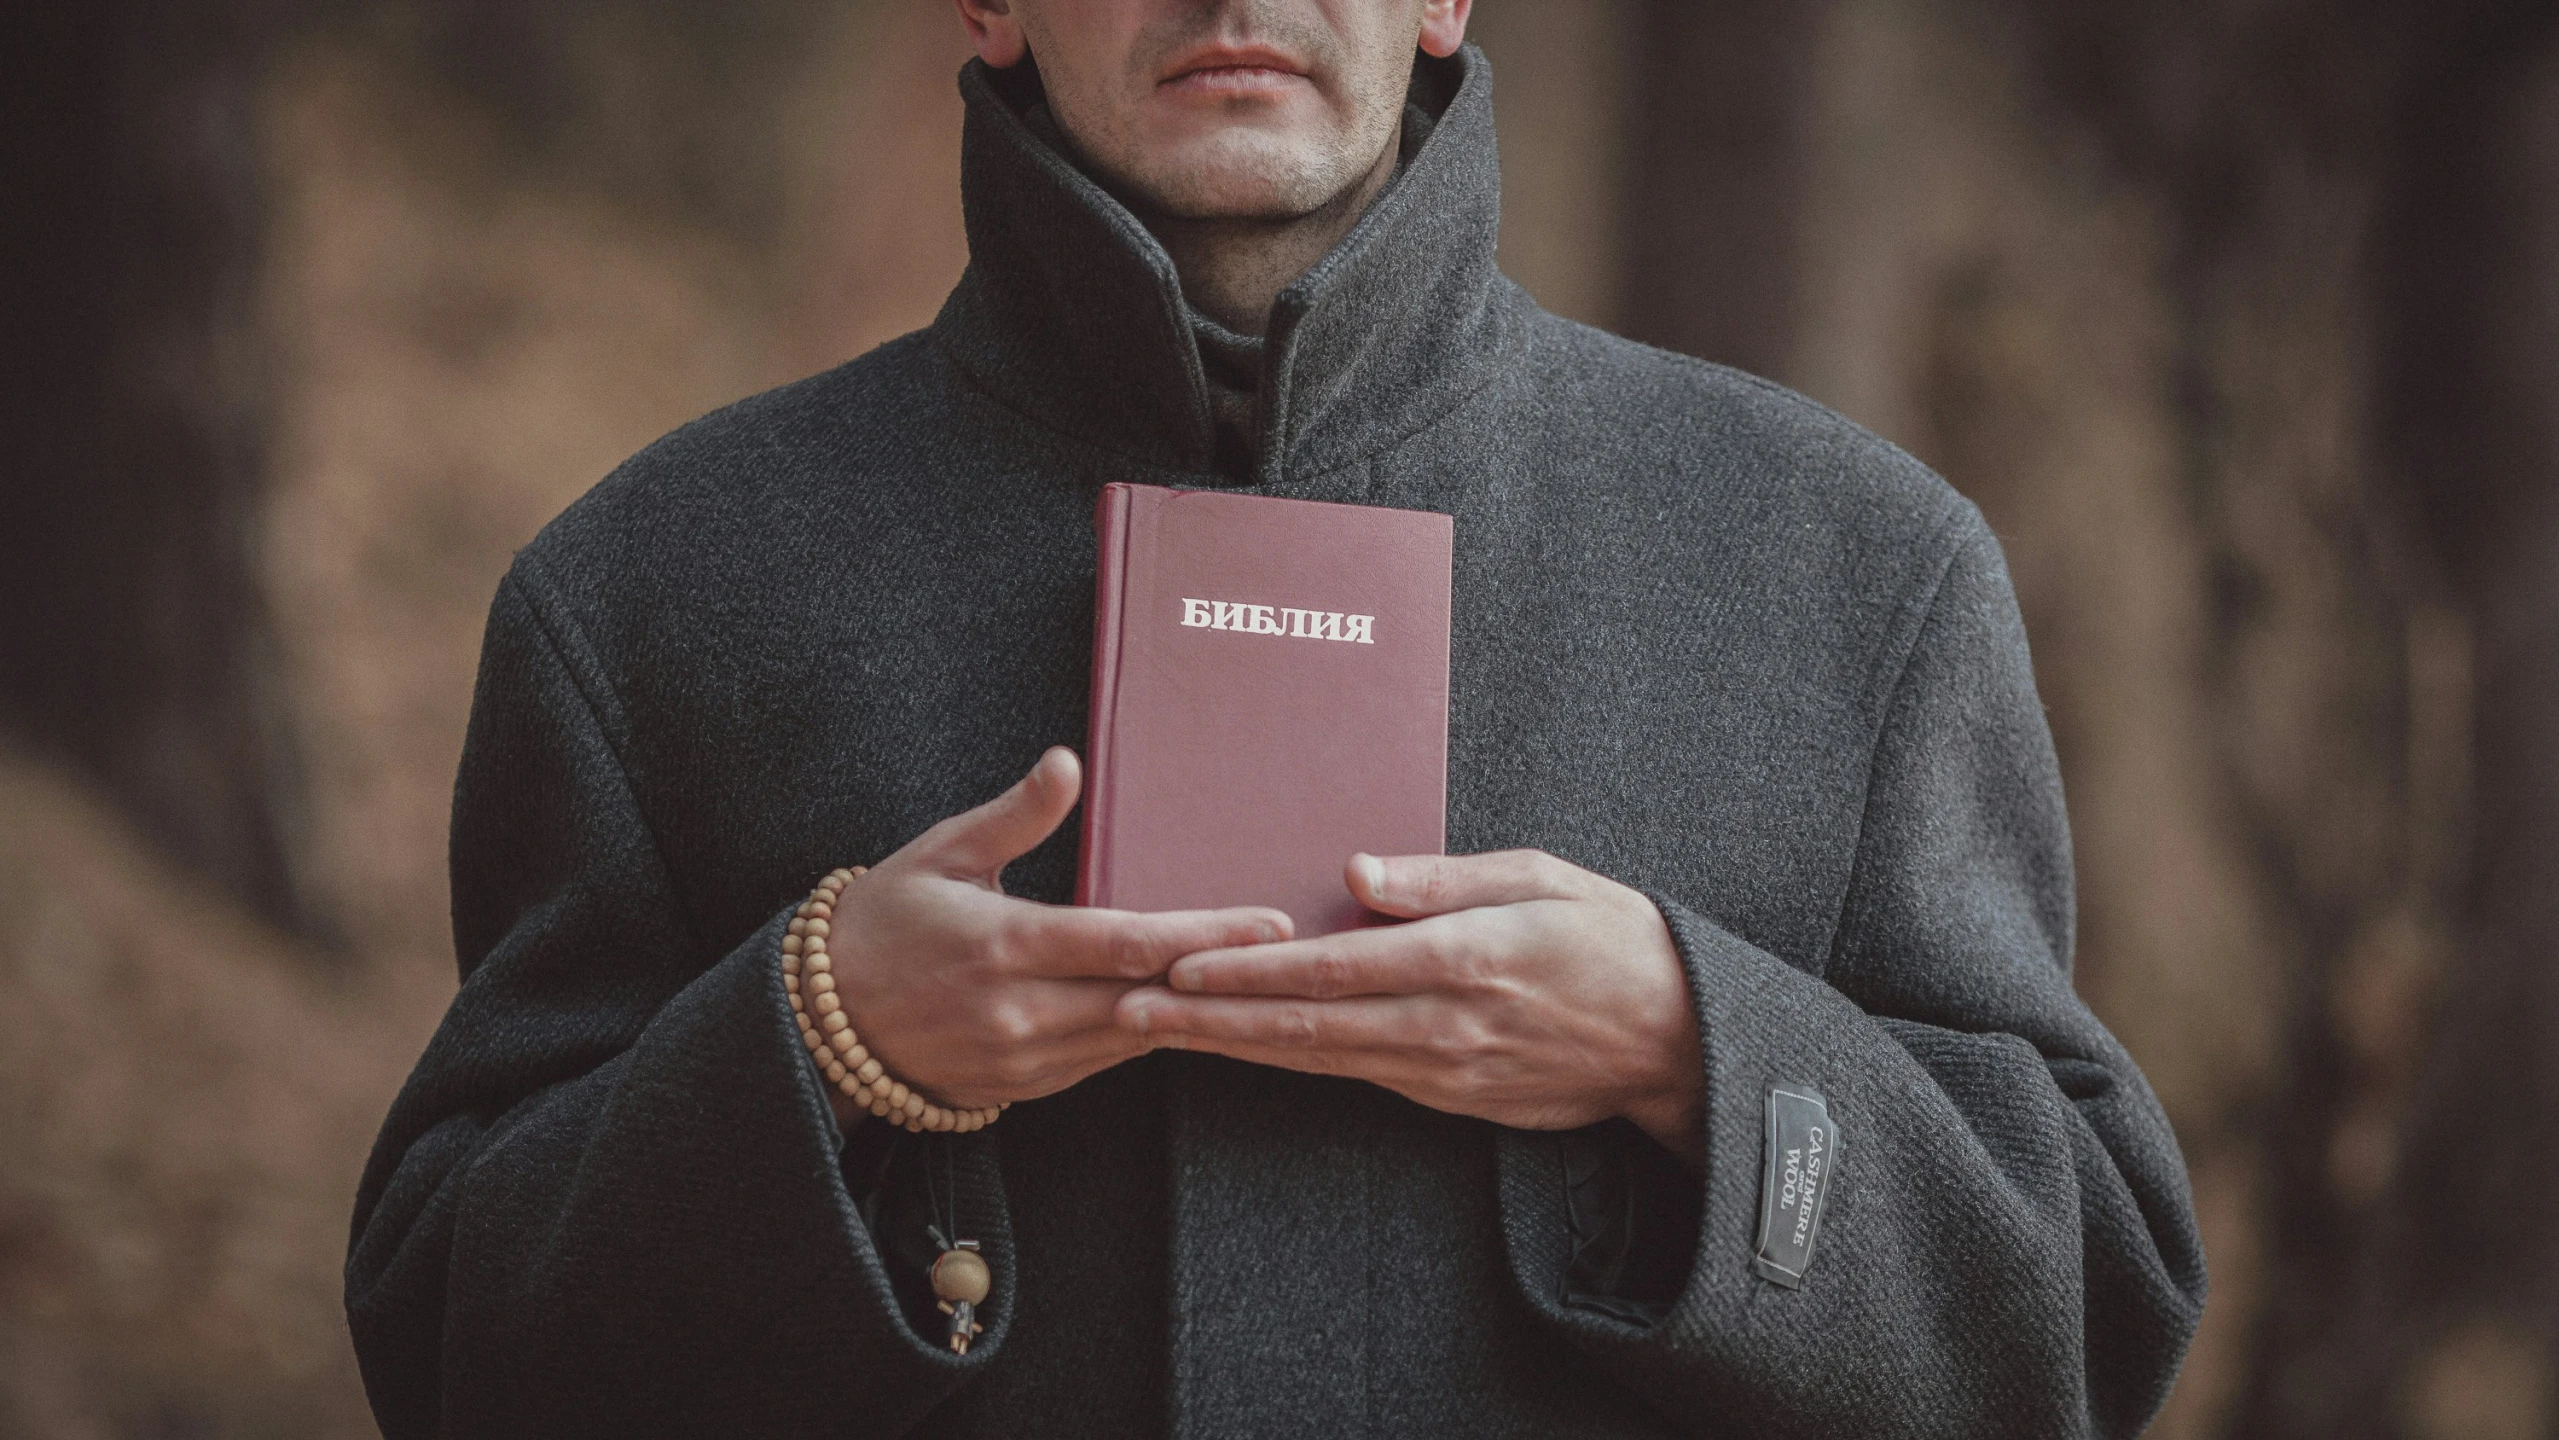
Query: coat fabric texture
x=1710, y=639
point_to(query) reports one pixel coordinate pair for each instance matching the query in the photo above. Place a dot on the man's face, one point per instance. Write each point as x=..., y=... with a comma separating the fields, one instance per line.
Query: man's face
x=1224, y=109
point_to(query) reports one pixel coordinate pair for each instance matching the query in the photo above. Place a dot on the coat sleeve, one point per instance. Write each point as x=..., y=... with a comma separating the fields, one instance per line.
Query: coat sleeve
x=608, y=1199
x=2009, y=1247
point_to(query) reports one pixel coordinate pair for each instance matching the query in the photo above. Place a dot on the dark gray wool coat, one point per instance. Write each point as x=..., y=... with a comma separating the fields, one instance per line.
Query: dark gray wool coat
x=1711, y=640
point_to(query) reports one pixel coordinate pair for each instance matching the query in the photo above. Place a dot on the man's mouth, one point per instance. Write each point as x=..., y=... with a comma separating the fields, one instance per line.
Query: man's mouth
x=1234, y=70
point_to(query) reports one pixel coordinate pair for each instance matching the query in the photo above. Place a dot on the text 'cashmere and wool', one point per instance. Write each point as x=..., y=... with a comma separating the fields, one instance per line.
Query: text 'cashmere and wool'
x=1710, y=640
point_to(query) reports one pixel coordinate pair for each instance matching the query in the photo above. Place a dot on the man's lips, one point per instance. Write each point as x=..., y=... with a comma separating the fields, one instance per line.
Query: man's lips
x=1234, y=70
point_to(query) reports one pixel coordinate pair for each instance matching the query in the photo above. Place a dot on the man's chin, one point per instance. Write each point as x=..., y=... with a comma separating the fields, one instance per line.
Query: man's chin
x=1252, y=181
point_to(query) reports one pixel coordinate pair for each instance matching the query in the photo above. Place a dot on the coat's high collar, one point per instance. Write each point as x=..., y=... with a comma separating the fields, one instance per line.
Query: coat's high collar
x=1071, y=312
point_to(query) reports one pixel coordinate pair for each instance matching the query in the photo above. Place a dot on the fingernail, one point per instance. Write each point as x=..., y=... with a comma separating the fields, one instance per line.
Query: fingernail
x=1371, y=872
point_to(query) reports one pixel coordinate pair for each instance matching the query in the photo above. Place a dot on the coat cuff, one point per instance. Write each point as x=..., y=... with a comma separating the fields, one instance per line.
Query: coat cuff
x=882, y=1177
x=1760, y=1022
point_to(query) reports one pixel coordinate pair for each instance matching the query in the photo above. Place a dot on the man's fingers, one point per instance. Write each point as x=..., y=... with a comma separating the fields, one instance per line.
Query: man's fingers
x=1034, y=1016
x=1427, y=955
x=1416, y=885
x=1323, y=1035
x=979, y=843
x=1071, y=942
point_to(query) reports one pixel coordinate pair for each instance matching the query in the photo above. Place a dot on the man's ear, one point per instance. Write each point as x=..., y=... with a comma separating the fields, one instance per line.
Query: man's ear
x=998, y=36
x=1443, y=26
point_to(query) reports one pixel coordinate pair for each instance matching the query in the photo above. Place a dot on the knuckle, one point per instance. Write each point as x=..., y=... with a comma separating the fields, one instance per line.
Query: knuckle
x=1568, y=879
x=1328, y=976
x=1452, y=962
x=1127, y=953
x=1527, y=930
x=1462, y=1039
x=1010, y=1024
x=1441, y=959
x=1540, y=865
x=1296, y=1026
x=1011, y=947
x=994, y=947
x=1015, y=1072
x=1502, y=995
x=1452, y=1080
x=1447, y=1046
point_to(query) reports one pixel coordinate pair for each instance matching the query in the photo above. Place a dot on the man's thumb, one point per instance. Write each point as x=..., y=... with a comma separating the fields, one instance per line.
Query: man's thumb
x=983, y=841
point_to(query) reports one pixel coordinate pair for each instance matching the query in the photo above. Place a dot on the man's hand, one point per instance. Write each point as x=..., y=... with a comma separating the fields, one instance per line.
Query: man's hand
x=976, y=997
x=1532, y=993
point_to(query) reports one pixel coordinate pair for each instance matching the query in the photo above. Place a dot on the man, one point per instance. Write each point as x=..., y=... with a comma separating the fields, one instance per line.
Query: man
x=1742, y=722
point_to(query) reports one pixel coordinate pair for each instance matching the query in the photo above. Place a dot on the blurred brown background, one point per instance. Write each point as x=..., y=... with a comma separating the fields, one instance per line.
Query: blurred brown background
x=2239, y=317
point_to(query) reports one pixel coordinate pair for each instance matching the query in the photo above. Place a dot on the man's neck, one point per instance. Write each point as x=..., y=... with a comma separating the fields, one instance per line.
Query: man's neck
x=1233, y=270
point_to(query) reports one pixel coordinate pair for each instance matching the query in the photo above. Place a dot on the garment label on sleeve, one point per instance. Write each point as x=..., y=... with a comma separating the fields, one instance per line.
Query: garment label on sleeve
x=1803, y=1159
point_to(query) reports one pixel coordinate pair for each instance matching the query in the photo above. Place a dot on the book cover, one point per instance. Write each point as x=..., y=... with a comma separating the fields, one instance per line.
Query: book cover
x=1270, y=694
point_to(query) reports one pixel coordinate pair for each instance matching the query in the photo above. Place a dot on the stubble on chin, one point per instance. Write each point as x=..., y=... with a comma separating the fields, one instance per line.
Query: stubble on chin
x=1249, y=175
x=1245, y=171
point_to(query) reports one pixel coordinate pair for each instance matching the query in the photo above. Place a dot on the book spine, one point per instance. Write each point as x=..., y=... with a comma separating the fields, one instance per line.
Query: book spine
x=1110, y=590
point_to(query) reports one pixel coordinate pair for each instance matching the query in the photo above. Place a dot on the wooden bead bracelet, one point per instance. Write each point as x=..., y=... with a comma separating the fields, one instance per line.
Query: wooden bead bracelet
x=849, y=1065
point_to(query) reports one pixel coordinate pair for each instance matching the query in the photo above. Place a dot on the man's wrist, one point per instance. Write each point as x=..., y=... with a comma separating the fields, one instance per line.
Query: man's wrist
x=1676, y=1121
x=1672, y=1109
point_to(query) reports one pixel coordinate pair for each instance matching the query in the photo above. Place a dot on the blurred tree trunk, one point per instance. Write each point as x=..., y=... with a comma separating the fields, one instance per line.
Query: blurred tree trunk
x=2239, y=323
x=136, y=638
x=1716, y=144
x=130, y=618
x=2458, y=1285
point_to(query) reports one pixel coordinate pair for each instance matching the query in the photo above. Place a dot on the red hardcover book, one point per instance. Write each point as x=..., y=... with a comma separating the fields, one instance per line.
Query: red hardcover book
x=1270, y=694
